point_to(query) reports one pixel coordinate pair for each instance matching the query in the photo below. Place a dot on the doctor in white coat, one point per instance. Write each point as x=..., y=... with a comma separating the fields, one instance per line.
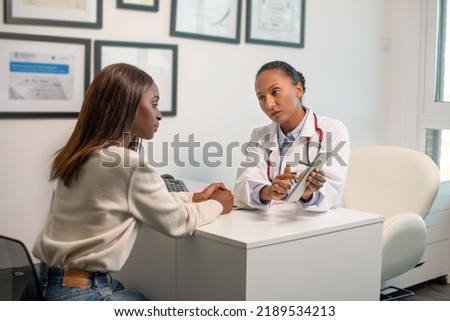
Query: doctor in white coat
x=277, y=153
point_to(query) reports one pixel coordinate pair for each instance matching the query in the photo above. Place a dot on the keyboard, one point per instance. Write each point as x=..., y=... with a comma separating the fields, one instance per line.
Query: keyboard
x=174, y=185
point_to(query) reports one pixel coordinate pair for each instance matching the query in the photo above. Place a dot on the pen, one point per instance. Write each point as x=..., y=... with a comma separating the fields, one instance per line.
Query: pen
x=293, y=181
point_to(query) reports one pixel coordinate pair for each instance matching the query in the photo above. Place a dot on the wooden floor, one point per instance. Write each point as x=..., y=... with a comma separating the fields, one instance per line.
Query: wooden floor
x=429, y=291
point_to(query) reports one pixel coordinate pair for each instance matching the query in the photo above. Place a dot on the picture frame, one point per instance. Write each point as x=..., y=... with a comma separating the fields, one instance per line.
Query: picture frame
x=211, y=20
x=276, y=23
x=144, y=5
x=82, y=14
x=46, y=76
x=160, y=61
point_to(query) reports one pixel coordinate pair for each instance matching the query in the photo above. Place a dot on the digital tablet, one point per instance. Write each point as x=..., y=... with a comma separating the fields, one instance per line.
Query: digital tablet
x=299, y=188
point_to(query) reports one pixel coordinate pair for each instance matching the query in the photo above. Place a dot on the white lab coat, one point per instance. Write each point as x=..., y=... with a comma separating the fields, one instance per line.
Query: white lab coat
x=263, y=142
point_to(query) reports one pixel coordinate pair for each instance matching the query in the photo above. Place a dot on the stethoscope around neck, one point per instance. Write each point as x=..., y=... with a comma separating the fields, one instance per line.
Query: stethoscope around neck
x=318, y=130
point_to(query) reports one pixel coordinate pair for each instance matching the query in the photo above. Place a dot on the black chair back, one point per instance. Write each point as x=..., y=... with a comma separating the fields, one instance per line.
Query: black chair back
x=17, y=272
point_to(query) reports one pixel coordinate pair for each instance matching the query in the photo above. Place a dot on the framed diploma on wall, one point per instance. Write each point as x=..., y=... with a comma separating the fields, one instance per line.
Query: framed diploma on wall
x=158, y=60
x=214, y=20
x=66, y=13
x=43, y=76
x=145, y=5
x=276, y=22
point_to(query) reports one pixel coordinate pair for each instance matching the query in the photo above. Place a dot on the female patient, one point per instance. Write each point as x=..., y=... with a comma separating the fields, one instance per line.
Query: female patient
x=105, y=192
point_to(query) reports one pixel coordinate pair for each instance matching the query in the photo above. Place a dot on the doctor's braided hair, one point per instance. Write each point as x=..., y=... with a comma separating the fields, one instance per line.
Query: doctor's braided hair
x=285, y=68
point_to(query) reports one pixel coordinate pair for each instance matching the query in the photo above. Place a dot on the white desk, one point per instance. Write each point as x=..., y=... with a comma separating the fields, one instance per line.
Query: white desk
x=283, y=253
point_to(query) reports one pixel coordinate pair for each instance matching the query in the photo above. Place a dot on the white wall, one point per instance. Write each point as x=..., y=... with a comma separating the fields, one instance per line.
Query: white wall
x=343, y=61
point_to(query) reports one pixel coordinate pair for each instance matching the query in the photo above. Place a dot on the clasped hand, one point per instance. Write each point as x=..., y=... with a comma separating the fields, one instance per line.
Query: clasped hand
x=218, y=192
x=282, y=184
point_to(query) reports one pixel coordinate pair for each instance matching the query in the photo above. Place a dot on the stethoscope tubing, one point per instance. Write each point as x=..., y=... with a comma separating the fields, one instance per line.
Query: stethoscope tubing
x=308, y=141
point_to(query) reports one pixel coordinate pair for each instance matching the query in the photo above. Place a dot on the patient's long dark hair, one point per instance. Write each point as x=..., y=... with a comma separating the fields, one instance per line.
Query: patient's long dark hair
x=106, y=115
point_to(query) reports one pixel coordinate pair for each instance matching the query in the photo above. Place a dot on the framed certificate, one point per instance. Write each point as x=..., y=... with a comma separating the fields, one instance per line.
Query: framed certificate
x=63, y=13
x=158, y=60
x=43, y=76
x=145, y=5
x=276, y=22
x=215, y=20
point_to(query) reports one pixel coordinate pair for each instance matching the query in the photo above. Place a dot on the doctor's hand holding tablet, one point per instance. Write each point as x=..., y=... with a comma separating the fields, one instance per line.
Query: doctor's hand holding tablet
x=292, y=187
x=283, y=185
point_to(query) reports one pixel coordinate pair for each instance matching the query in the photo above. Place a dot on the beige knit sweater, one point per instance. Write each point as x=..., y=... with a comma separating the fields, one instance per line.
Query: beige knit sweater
x=94, y=223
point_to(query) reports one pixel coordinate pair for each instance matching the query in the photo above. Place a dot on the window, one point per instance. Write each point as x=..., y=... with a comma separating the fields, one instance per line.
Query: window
x=437, y=61
x=437, y=146
x=443, y=54
x=436, y=108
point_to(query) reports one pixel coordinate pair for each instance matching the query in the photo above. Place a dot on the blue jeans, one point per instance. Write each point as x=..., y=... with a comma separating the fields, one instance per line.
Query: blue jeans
x=100, y=287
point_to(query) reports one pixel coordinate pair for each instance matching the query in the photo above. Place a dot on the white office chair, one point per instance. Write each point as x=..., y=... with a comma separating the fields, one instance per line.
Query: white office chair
x=401, y=184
